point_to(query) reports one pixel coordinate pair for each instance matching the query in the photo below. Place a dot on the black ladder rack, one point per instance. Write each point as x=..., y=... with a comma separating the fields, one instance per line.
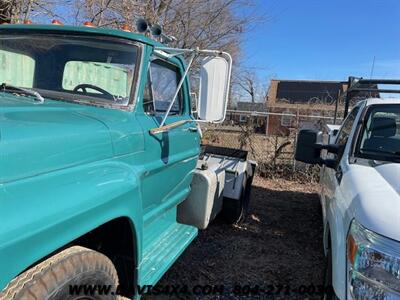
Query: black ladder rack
x=359, y=84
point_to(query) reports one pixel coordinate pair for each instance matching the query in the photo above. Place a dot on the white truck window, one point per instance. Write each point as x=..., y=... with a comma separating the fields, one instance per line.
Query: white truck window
x=380, y=137
x=346, y=127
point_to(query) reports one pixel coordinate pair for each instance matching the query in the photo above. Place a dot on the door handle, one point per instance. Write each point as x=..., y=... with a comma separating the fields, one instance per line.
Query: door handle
x=193, y=129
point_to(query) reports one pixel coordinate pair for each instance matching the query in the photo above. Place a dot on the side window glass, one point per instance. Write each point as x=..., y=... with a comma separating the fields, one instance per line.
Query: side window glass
x=148, y=106
x=346, y=127
x=163, y=80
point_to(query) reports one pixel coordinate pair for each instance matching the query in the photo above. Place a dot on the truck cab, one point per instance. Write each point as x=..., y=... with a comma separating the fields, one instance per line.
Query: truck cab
x=360, y=199
x=99, y=149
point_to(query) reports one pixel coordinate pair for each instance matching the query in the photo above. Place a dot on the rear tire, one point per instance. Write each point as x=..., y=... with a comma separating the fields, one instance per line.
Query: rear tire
x=52, y=278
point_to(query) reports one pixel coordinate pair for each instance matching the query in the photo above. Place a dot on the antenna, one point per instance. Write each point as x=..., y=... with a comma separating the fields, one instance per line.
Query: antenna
x=372, y=68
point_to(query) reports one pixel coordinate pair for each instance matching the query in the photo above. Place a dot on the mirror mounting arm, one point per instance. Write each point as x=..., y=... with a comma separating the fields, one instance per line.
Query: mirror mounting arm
x=331, y=148
x=330, y=163
x=178, y=89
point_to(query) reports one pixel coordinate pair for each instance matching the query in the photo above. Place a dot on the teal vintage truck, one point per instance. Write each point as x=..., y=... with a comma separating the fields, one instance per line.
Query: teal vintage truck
x=102, y=177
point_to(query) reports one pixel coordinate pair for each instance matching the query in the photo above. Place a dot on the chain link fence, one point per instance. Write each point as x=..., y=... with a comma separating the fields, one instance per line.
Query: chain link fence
x=269, y=138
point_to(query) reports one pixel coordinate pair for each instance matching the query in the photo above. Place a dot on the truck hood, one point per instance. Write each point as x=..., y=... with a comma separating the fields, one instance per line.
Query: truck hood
x=390, y=172
x=39, y=138
x=376, y=198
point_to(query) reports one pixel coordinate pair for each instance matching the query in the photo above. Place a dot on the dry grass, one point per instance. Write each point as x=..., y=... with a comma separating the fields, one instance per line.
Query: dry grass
x=260, y=147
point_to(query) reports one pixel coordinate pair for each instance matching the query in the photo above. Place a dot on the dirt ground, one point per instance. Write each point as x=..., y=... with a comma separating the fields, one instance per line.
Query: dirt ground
x=276, y=252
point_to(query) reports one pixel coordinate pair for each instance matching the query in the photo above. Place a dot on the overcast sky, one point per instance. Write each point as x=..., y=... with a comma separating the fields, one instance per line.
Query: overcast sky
x=328, y=40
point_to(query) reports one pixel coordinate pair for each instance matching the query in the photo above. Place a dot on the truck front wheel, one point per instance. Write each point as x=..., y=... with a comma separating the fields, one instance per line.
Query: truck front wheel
x=74, y=273
x=329, y=293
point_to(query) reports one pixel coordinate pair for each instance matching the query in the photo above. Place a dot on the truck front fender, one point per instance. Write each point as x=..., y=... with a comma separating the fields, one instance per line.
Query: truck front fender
x=44, y=213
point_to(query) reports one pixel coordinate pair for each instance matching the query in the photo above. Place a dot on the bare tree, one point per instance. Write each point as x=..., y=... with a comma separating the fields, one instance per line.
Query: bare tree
x=6, y=11
x=15, y=11
x=249, y=85
x=195, y=23
x=247, y=81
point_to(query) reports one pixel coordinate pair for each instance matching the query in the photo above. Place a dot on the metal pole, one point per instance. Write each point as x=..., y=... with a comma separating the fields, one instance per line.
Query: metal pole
x=336, y=109
x=348, y=96
x=379, y=81
x=387, y=91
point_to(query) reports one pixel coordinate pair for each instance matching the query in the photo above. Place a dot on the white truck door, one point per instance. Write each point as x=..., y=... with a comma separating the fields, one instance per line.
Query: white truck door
x=331, y=178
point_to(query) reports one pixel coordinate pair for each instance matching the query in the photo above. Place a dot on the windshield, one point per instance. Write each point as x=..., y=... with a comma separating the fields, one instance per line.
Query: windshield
x=69, y=67
x=380, y=136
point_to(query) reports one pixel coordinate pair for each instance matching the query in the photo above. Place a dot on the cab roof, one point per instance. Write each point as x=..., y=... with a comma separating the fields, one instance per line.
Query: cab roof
x=80, y=29
x=374, y=101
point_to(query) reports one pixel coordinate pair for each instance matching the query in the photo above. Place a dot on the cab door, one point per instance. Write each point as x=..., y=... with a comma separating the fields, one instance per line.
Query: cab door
x=332, y=178
x=170, y=157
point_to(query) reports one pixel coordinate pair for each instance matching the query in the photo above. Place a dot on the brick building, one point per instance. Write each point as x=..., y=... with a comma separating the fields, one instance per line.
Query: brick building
x=245, y=111
x=305, y=103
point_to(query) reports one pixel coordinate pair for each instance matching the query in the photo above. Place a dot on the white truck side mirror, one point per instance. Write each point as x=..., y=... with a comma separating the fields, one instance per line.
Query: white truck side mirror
x=215, y=76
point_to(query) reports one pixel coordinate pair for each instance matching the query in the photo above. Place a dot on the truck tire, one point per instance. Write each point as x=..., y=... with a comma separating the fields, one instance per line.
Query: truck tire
x=52, y=278
x=234, y=211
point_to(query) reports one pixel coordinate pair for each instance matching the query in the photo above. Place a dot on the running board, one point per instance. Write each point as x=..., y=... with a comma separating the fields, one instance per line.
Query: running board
x=164, y=251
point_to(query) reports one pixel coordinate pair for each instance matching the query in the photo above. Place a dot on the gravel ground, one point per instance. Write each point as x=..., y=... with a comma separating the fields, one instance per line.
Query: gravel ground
x=276, y=252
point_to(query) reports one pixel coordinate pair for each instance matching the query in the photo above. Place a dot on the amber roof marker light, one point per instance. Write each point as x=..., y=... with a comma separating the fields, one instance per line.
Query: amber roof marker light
x=56, y=22
x=126, y=28
x=88, y=24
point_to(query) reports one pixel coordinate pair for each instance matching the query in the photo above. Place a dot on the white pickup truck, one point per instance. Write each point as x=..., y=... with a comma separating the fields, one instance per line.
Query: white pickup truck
x=360, y=197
